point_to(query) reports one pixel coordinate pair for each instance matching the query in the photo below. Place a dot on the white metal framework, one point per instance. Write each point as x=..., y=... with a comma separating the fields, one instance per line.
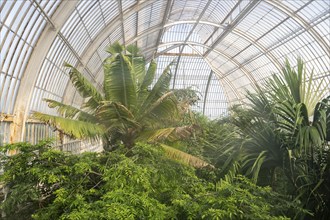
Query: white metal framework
x=223, y=47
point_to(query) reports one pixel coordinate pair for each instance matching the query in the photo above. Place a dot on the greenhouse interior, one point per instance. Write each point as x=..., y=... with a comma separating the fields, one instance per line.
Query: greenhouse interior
x=165, y=109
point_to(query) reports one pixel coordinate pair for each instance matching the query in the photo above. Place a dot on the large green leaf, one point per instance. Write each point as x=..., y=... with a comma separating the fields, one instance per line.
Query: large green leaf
x=71, y=127
x=68, y=111
x=113, y=112
x=163, y=108
x=148, y=78
x=118, y=82
x=159, y=89
x=115, y=48
x=169, y=133
x=138, y=65
x=184, y=157
x=84, y=87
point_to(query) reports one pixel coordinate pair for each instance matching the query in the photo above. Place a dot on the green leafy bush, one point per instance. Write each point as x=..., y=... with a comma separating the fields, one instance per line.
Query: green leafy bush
x=140, y=183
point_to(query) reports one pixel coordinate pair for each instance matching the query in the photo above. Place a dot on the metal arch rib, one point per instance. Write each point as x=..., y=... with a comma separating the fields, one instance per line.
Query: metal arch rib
x=207, y=90
x=59, y=34
x=187, y=38
x=25, y=90
x=169, y=5
x=233, y=24
x=246, y=72
x=218, y=73
x=278, y=5
x=121, y=18
x=101, y=36
x=237, y=32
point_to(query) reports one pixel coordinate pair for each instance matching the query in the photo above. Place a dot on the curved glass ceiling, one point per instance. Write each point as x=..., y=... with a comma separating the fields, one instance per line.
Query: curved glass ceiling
x=223, y=48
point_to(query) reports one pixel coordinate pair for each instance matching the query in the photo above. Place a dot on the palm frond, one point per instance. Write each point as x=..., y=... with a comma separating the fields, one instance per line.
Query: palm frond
x=115, y=48
x=164, y=107
x=293, y=79
x=71, y=127
x=159, y=89
x=311, y=93
x=184, y=157
x=68, y=111
x=138, y=64
x=118, y=82
x=148, y=78
x=171, y=134
x=84, y=87
x=113, y=112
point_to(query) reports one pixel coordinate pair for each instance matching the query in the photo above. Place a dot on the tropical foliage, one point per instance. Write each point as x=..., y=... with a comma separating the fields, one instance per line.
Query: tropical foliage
x=128, y=108
x=286, y=132
x=280, y=141
x=137, y=183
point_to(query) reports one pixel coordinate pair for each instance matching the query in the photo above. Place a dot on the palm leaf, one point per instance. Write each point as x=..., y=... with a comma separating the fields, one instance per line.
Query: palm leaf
x=115, y=48
x=184, y=157
x=71, y=127
x=171, y=134
x=113, y=112
x=68, y=111
x=165, y=106
x=159, y=89
x=84, y=87
x=138, y=65
x=118, y=82
x=148, y=78
x=311, y=92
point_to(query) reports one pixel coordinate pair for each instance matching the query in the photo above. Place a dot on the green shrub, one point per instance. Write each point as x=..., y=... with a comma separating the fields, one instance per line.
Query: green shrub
x=140, y=183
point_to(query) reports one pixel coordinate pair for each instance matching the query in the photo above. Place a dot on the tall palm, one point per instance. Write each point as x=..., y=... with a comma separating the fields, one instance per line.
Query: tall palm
x=127, y=109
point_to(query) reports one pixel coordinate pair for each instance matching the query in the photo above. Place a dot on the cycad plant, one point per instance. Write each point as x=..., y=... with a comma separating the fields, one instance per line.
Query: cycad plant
x=128, y=109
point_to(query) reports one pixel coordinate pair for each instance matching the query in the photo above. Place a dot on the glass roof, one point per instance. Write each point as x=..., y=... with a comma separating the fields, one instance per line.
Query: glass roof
x=223, y=48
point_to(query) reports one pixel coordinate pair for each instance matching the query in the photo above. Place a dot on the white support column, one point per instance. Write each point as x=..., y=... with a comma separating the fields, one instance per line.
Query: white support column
x=30, y=76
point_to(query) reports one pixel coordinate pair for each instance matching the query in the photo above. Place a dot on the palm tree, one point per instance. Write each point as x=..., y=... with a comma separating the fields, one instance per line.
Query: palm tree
x=287, y=128
x=128, y=109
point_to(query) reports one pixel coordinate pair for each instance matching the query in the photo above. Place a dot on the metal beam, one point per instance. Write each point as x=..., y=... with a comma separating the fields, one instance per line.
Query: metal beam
x=45, y=15
x=207, y=90
x=223, y=20
x=233, y=24
x=36, y=59
x=309, y=28
x=187, y=38
x=121, y=18
x=218, y=73
x=236, y=31
x=245, y=71
x=168, y=9
x=6, y=117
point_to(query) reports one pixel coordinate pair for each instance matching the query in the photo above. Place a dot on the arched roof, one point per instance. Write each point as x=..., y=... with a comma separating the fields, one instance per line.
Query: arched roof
x=223, y=47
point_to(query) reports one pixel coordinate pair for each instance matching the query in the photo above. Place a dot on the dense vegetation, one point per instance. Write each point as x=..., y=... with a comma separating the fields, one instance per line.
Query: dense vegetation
x=268, y=160
x=141, y=183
